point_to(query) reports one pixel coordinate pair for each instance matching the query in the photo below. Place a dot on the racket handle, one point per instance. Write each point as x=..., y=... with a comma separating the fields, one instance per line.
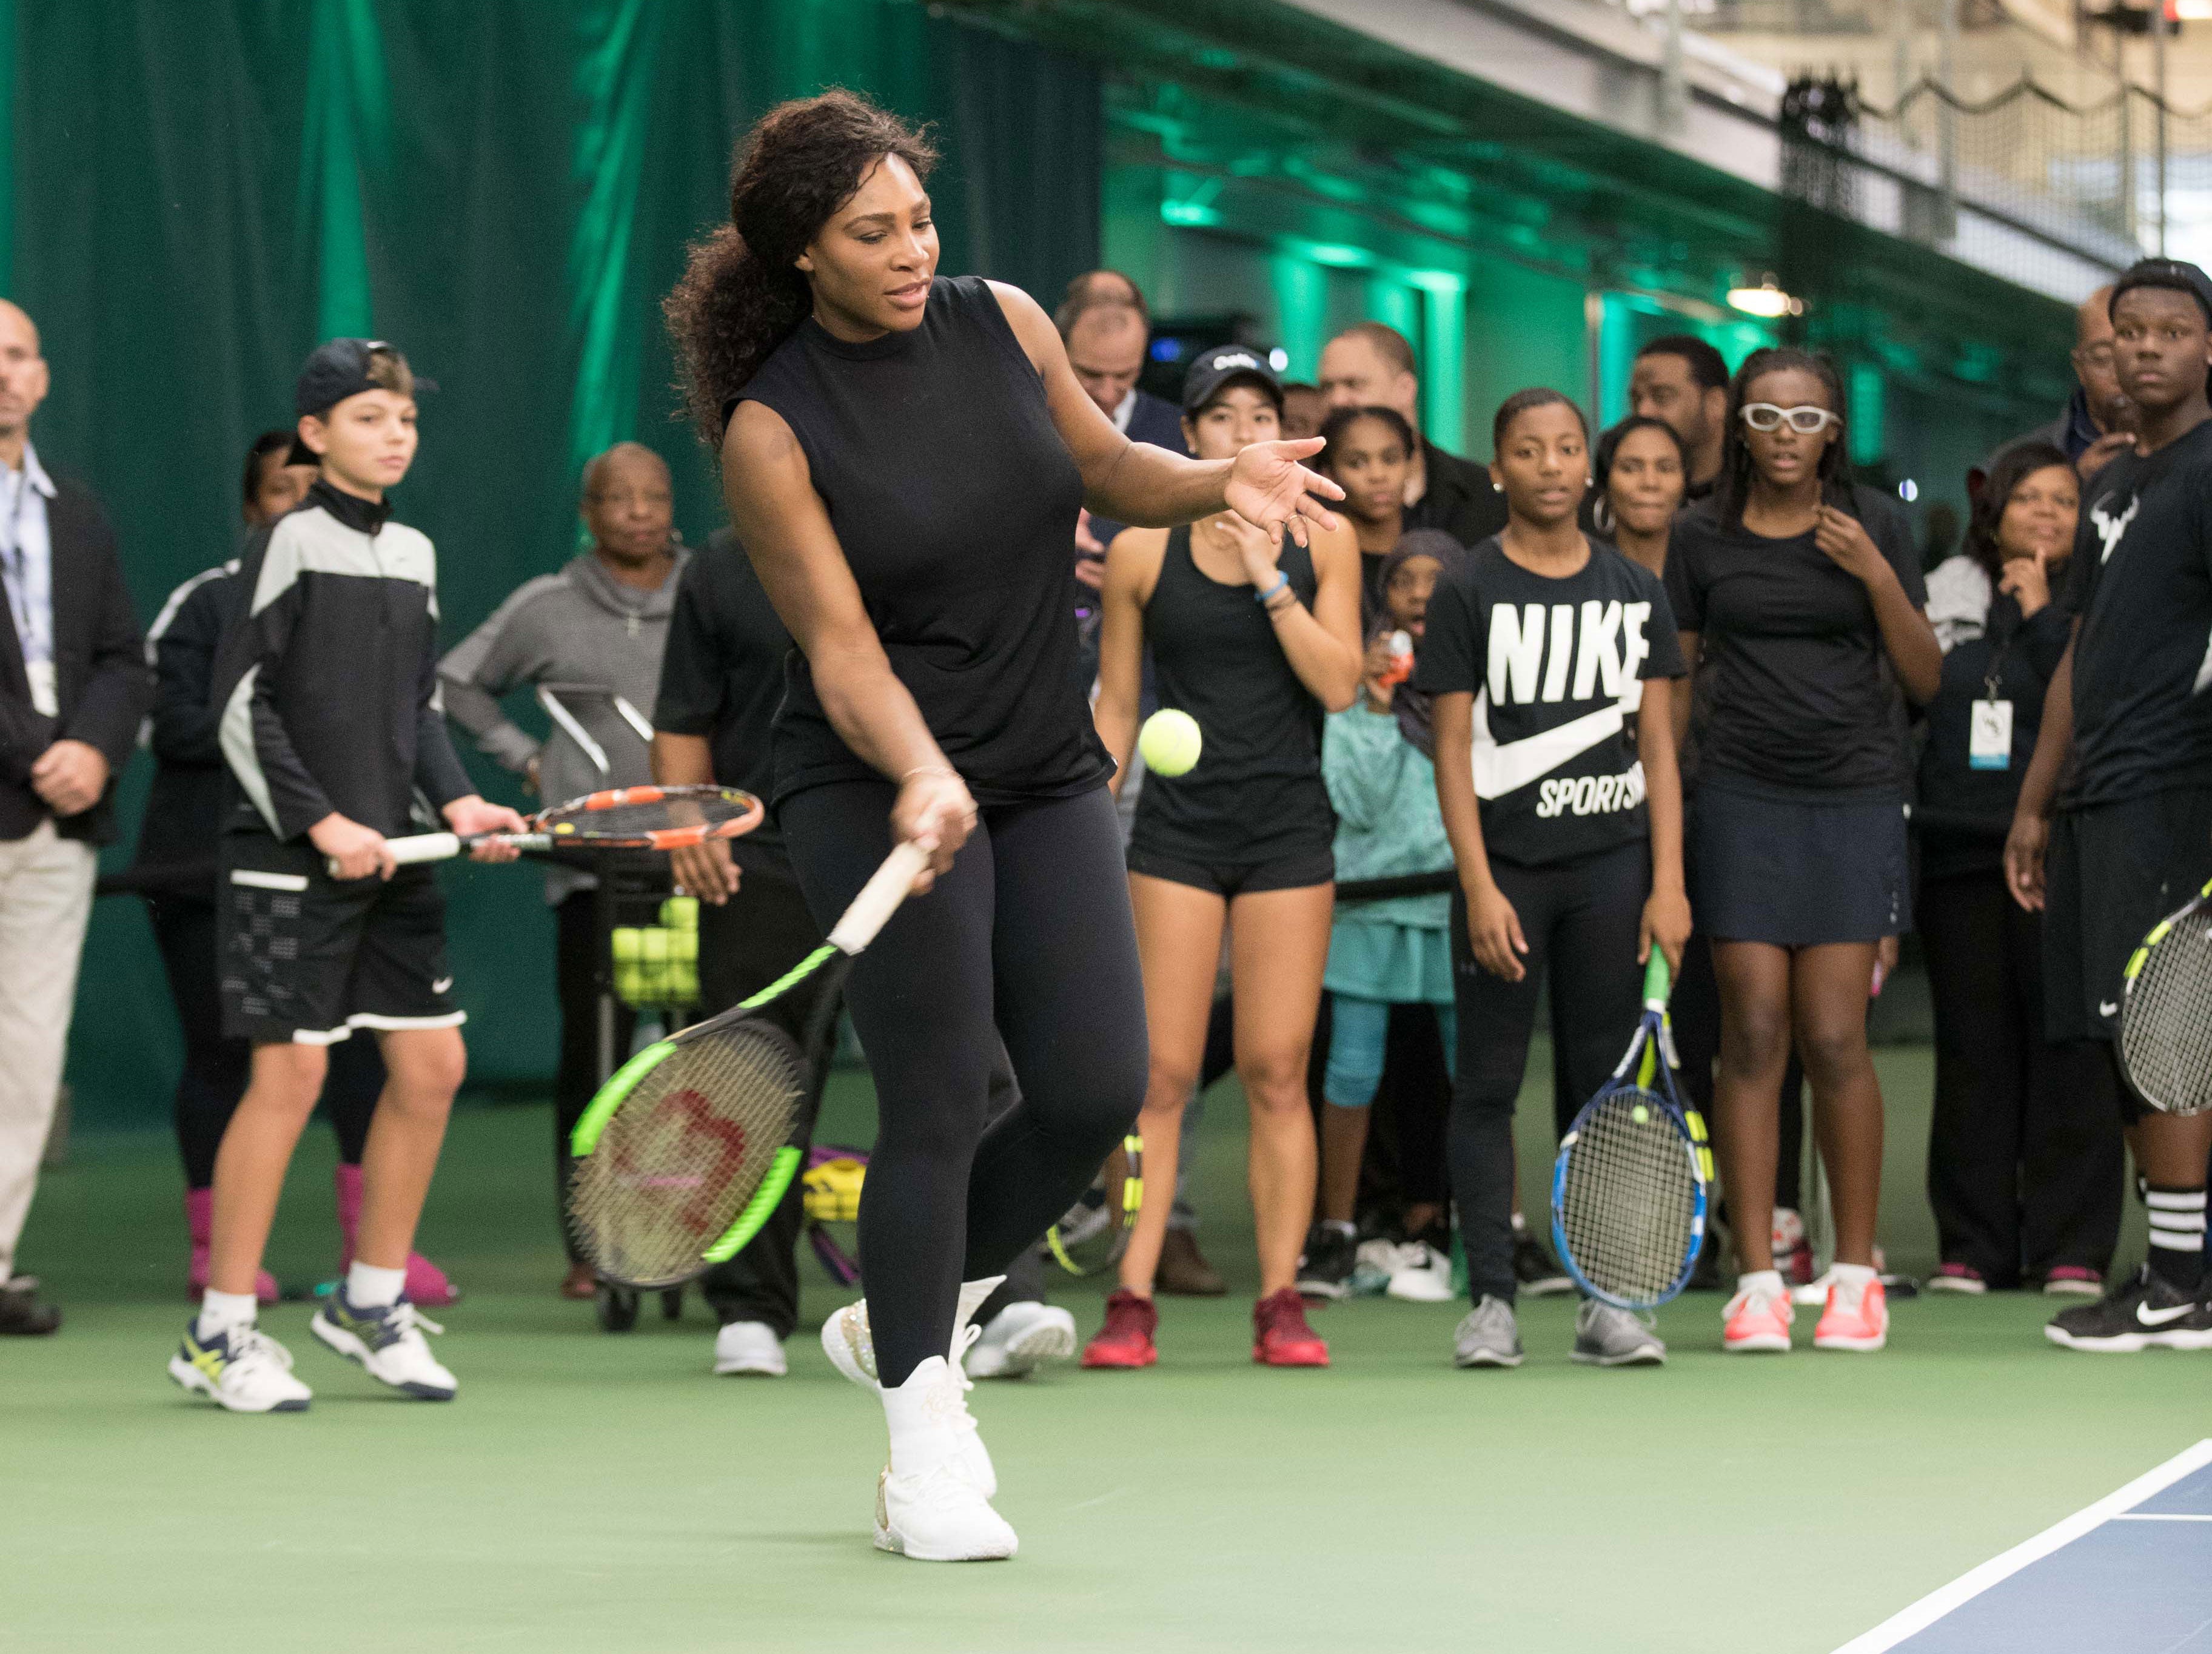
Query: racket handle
x=879, y=898
x=1658, y=980
x=419, y=846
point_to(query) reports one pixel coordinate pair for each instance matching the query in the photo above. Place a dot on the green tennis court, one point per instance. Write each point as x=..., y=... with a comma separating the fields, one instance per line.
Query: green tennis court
x=606, y=1494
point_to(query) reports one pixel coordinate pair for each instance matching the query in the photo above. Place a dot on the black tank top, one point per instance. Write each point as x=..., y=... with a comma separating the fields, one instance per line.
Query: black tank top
x=954, y=501
x=1256, y=792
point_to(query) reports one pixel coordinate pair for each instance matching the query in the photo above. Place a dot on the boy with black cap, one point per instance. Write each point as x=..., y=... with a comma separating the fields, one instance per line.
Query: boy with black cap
x=330, y=726
x=2128, y=728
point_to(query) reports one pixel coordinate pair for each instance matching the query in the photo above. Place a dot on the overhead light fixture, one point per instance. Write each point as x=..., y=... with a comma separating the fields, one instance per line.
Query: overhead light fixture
x=1766, y=300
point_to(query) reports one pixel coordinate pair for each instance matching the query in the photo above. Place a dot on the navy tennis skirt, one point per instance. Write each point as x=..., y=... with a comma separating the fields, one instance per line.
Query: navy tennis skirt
x=1767, y=867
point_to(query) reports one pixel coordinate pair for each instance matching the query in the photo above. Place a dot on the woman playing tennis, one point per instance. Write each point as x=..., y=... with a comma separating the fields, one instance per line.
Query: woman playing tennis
x=903, y=458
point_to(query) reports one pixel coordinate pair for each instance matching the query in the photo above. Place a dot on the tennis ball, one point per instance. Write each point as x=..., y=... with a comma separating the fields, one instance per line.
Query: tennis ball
x=627, y=946
x=1170, y=741
x=683, y=946
x=680, y=913
x=1640, y=1114
x=653, y=944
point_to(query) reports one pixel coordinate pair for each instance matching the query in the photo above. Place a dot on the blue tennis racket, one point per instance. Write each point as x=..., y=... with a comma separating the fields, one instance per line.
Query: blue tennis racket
x=1629, y=1190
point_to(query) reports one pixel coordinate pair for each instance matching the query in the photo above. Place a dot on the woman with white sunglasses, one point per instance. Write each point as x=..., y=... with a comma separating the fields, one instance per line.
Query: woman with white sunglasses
x=1801, y=592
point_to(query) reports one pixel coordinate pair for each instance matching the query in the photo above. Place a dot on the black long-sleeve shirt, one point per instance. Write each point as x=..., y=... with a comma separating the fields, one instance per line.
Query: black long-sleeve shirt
x=191, y=792
x=328, y=680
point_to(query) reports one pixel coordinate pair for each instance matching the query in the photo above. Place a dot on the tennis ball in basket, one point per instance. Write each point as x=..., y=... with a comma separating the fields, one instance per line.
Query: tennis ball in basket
x=1640, y=1114
x=682, y=948
x=653, y=944
x=680, y=913
x=626, y=947
x=1170, y=742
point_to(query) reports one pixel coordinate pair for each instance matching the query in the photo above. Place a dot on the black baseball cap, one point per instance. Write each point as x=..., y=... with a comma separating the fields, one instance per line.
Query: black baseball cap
x=335, y=370
x=2176, y=273
x=1211, y=371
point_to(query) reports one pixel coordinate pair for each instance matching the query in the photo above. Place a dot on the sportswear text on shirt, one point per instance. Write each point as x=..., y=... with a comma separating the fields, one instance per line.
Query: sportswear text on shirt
x=1556, y=667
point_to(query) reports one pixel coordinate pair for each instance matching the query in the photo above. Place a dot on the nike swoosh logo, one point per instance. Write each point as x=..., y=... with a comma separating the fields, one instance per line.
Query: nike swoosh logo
x=441, y=984
x=2151, y=1317
x=2108, y=1007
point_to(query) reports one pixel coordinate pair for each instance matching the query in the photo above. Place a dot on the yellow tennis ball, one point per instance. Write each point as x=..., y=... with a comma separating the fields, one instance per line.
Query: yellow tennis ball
x=626, y=945
x=1640, y=1114
x=653, y=944
x=1170, y=741
x=680, y=913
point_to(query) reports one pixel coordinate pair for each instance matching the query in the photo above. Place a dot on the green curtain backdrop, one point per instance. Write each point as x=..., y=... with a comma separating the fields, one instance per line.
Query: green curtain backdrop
x=195, y=192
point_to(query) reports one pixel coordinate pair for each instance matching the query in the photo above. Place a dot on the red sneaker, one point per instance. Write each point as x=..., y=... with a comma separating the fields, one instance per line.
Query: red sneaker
x=1858, y=1317
x=1126, y=1339
x=1280, y=1337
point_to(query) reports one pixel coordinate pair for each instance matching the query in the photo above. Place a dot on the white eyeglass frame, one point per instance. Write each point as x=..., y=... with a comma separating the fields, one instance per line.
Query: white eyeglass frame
x=1822, y=418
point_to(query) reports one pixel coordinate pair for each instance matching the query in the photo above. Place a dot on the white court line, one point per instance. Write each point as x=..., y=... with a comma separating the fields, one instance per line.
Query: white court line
x=2160, y=1516
x=1937, y=1603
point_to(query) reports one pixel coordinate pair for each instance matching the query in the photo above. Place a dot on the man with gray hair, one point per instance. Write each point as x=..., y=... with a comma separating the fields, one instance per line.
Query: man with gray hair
x=73, y=687
x=587, y=642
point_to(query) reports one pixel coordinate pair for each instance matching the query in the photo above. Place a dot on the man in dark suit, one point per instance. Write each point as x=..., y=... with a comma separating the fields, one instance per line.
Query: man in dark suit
x=1370, y=365
x=1104, y=324
x=74, y=684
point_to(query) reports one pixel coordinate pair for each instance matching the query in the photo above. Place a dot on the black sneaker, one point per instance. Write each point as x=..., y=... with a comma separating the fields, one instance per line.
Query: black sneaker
x=1325, y=1271
x=1535, y=1271
x=23, y=1313
x=2136, y=1314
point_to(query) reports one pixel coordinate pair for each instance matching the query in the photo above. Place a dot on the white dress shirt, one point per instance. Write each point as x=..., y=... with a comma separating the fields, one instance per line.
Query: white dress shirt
x=27, y=569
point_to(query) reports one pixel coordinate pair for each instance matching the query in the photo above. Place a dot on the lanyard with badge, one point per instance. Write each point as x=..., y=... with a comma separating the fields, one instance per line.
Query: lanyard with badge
x=1989, y=723
x=40, y=674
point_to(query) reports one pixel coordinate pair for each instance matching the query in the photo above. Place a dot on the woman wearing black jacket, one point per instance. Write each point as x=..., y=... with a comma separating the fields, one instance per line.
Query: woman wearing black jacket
x=2023, y=1153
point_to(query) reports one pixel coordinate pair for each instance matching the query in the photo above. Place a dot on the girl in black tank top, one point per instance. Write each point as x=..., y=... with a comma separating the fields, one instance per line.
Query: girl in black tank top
x=1255, y=637
x=904, y=458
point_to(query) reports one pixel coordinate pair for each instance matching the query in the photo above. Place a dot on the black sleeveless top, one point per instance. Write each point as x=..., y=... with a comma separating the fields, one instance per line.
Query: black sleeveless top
x=954, y=500
x=1256, y=792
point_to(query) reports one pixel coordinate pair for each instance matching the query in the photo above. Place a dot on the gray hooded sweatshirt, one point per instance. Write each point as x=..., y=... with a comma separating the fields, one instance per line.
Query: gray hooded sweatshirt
x=593, y=645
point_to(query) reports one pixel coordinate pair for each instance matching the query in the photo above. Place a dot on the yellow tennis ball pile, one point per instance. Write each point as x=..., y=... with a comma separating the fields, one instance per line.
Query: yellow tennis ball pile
x=1170, y=742
x=659, y=964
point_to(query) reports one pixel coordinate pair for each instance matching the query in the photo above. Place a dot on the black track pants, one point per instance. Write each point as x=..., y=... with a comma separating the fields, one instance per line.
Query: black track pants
x=1028, y=938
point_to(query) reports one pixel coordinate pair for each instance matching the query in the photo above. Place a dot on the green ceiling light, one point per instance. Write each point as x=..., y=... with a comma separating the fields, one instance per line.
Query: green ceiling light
x=1767, y=300
x=1189, y=215
x=1337, y=255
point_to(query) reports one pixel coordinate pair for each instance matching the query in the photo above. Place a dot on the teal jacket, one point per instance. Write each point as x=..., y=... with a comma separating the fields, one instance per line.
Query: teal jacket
x=1387, y=820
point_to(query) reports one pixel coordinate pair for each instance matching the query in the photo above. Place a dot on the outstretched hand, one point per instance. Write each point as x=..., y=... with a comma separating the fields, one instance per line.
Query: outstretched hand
x=1270, y=490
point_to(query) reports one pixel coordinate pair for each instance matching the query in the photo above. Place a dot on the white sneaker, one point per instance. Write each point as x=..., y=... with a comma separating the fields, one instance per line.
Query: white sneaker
x=1021, y=1338
x=748, y=1347
x=1420, y=1274
x=242, y=1369
x=851, y=1347
x=932, y=1510
x=388, y=1342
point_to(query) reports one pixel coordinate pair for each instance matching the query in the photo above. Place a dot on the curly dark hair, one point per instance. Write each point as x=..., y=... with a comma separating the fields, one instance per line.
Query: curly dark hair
x=1835, y=476
x=742, y=294
x=2013, y=466
x=1341, y=420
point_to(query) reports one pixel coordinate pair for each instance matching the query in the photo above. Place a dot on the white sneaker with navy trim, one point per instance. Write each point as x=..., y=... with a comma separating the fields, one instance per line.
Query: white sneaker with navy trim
x=389, y=1342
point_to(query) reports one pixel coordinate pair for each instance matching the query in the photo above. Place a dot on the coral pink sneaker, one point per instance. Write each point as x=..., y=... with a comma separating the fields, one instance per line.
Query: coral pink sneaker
x=199, y=1220
x=1758, y=1318
x=428, y=1286
x=1857, y=1315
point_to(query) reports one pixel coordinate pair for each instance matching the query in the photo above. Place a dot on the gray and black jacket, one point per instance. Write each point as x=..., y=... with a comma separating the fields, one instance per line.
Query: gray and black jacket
x=328, y=678
x=592, y=646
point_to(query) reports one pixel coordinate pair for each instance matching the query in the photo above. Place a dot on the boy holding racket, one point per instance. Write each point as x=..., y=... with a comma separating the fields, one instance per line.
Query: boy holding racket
x=330, y=726
x=2126, y=727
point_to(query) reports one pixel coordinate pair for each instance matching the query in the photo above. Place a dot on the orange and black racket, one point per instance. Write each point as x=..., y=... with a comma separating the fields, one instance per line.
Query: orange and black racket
x=623, y=818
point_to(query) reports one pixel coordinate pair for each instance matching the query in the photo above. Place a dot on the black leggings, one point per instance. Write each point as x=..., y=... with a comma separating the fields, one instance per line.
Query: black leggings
x=216, y=1068
x=1580, y=919
x=1028, y=938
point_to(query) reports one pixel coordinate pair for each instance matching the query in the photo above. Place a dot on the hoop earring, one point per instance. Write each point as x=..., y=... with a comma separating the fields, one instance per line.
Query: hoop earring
x=1601, y=515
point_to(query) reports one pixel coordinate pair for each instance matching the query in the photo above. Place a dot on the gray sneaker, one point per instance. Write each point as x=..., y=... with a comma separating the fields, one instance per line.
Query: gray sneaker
x=1609, y=1336
x=1488, y=1336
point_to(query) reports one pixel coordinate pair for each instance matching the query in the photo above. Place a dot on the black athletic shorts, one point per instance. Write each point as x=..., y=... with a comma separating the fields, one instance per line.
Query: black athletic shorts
x=2112, y=872
x=309, y=959
x=1231, y=879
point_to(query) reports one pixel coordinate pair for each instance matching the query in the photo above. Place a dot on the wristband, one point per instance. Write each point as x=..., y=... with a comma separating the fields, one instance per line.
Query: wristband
x=1282, y=580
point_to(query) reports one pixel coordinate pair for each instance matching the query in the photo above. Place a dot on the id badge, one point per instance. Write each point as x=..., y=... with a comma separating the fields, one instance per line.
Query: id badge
x=1989, y=736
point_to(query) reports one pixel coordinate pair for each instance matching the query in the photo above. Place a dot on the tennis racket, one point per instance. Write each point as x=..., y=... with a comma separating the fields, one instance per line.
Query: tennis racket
x=622, y=818
x=686, y=1151
x=1628, y=1192
x=1095, y=1231
x=2165, y=1019
x=832, y=1182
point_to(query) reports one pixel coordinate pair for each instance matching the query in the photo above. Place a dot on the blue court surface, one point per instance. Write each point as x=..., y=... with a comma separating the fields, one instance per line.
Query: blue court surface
x=2132, y=1574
